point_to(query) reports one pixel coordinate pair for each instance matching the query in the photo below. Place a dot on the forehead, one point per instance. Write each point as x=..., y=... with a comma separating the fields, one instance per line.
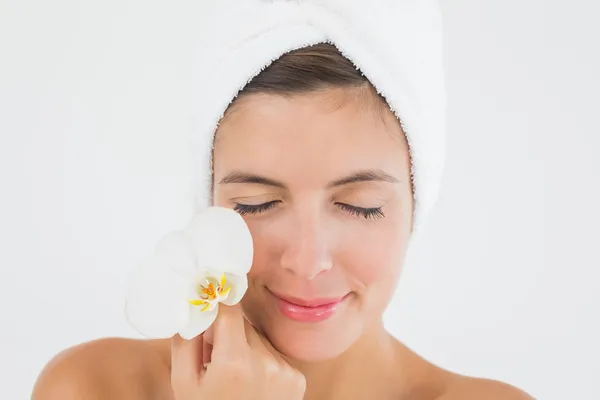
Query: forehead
x=318, y=135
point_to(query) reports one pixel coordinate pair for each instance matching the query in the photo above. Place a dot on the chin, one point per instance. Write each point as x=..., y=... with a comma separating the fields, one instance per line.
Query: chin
x=311, y=344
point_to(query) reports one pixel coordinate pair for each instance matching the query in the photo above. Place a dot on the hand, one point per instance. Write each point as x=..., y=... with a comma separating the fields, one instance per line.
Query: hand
x=241, y=364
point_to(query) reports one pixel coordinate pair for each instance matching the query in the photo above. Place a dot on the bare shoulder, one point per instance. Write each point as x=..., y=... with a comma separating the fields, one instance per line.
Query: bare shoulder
x=110, y=368
x=433, y=382
x=467, y=388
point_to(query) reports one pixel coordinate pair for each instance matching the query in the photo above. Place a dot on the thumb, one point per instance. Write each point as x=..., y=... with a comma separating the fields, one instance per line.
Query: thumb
x=186, y=361
x=228, y=333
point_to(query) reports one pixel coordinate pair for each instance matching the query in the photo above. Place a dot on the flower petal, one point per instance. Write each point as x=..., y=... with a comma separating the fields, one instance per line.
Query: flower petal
x=239, y=285
x=175, y=251
x=155, y=306
x=199, y=322
x=221, y=241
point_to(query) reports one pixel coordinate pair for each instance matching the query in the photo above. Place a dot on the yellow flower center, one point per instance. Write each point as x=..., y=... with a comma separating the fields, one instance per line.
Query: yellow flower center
x=211, y=293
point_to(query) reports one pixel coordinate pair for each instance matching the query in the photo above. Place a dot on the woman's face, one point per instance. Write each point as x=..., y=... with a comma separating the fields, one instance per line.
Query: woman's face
x=324, y=186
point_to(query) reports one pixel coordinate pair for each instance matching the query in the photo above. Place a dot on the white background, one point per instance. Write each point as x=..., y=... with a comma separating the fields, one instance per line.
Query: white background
x=503, y=284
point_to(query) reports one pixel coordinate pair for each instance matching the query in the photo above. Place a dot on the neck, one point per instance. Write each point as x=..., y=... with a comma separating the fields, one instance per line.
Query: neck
x=368, y=360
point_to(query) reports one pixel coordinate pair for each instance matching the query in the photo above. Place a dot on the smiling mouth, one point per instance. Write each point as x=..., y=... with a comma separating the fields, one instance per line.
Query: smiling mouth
x=308, y=309
x=310, y=302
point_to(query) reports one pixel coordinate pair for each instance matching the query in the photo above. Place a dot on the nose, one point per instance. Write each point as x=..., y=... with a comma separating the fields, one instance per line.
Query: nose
x=307, y=252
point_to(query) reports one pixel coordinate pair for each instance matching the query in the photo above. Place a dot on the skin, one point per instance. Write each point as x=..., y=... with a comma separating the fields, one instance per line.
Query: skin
x=317, y=155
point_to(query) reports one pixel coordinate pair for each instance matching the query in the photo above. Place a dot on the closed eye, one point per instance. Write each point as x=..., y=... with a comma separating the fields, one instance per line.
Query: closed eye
x=247, y=209
x=367, y=213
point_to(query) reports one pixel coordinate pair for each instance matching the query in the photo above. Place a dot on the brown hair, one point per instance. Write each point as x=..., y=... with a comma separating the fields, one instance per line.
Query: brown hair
x=312, y=68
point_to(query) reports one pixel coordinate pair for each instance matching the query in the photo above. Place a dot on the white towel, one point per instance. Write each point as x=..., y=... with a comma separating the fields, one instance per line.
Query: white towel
x=397, y=44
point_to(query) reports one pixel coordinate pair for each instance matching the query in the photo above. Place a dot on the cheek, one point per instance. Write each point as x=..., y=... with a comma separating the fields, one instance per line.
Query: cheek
x=373, y=260
x=267, y=248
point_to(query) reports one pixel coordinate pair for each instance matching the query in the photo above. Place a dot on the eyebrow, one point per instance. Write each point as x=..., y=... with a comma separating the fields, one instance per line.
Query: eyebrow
x=242, y=177
x=359, y=176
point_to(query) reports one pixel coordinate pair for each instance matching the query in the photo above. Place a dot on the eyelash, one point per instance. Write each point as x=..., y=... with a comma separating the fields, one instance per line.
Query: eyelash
x=367, y=213
x=245, y=209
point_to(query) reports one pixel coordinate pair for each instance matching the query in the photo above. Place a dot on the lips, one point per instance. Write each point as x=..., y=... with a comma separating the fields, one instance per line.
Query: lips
x=308, y=310
x=310, y=303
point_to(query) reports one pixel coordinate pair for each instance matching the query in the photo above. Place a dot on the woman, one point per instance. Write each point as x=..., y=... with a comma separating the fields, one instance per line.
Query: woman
x=320, y=168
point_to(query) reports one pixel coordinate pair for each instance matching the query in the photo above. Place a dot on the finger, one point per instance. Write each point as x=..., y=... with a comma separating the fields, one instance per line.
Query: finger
x=259, y=342
x=207, y=345
x=208, y=335
x=229, y=338
x=206, y=352
x=186, y=362
x=253, y=337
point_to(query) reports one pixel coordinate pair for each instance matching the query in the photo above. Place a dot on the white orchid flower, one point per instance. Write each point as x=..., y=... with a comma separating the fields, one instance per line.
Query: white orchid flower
x=193, y=270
